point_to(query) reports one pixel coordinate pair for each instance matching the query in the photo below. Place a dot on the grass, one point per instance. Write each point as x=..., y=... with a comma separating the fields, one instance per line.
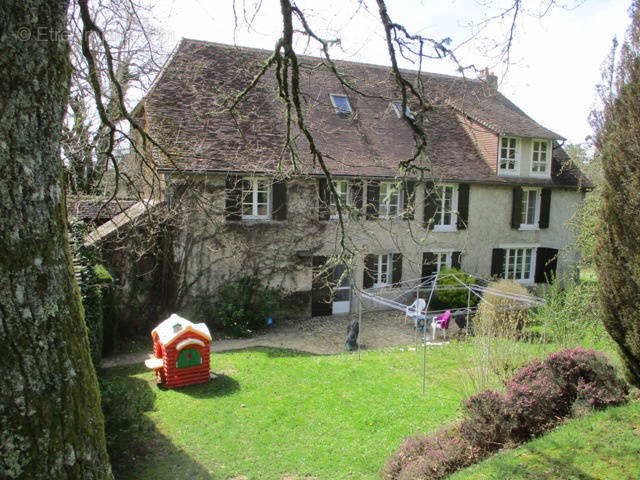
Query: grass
x=274, y=413
x=602, y=445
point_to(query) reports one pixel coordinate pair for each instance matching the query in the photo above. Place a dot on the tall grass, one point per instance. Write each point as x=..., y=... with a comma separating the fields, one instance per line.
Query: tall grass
x=506, y=338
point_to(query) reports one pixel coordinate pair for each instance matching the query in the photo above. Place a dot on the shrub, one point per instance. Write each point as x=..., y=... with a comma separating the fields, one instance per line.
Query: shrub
x=571, y=315
x=537, y=398
x=123, y=405
x=486, y=423
x=570, y=381
x=498, y=316
x=241, y=306
x=427, y=457
x=454, y=298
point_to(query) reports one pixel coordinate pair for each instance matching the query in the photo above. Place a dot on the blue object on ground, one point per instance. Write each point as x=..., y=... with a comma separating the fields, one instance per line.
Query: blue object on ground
x=268, y=321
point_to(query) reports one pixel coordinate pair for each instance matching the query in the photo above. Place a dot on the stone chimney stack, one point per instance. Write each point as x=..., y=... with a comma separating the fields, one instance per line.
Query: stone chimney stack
x=489, y=78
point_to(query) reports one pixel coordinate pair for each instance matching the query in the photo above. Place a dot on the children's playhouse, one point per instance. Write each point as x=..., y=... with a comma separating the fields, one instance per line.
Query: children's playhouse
x=181, y=351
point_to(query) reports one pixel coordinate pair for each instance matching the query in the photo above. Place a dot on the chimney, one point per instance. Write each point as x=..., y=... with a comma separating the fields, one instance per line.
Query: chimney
x=489, y=78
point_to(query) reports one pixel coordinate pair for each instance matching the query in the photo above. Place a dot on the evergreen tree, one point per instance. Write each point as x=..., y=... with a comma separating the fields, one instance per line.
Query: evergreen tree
x=618, y=247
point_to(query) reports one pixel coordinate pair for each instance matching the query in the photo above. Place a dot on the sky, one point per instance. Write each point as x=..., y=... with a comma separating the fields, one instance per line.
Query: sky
x=554, y=63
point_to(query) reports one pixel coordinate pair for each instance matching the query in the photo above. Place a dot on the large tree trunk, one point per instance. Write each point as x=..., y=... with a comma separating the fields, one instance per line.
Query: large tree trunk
x=51, y=424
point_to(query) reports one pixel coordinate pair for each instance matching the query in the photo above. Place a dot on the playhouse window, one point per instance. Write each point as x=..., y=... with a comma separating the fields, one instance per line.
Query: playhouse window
x=189, y=357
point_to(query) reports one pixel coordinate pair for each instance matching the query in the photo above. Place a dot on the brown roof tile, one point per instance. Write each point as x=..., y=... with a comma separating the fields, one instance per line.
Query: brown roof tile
x=186, y=112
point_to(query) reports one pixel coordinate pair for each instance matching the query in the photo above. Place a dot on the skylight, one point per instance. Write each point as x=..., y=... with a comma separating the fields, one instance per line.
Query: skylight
x=397, y=106
x=341, y=103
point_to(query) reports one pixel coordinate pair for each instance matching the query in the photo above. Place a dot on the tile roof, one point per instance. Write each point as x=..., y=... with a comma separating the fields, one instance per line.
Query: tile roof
x=186, y=111
x=95, y=208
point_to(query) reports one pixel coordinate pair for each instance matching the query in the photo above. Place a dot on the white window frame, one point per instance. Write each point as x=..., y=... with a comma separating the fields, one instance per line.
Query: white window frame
x=333, y=97
x=546, y=173
x=516, y=160
x=397, y=106
x=439, y=225
x=333, y=209
x=530, y=223
x=384, y=200
x=384, y=262
x=442, y=254
x=514, y=256
x=254, y=181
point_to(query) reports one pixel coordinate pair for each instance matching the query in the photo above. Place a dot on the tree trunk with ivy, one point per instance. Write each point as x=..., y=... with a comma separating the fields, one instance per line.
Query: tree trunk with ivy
x=618, y=251
x=51, y=424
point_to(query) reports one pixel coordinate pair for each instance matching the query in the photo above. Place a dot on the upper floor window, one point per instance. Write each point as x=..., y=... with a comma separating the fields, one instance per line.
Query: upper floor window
x=508, y=156
x=519, y=264
x=340, y=103
x=530, y=208
x=256, y=194
x=342, y=190
x=540, y=157
x=397, y=106
x=446, y=198
x=390, y=199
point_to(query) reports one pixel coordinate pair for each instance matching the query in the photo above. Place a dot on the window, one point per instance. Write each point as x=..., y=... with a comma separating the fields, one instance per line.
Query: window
x=341, y=103
x=519, y=264
x=384, y=272
x=441, y=260
x=540, y=157
x=342, y=189
x=397, y=106
x=530, y=209
x=508, y=161
x=255, y=198
x=446, y=198
x=389, y=199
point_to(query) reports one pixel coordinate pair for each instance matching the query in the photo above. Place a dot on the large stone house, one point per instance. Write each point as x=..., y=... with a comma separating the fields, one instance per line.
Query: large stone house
x=495, y=198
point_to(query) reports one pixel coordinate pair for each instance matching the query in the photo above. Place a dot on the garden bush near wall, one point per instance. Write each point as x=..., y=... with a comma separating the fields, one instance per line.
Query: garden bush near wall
x=454, y=298
x=537, y=398
x=242, y=306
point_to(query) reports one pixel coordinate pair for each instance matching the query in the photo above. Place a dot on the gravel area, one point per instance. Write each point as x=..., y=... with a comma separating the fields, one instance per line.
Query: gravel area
x=317, y=335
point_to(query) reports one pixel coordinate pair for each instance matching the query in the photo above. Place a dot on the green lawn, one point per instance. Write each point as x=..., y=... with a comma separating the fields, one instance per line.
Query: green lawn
x=602, y=445
x=276, y=413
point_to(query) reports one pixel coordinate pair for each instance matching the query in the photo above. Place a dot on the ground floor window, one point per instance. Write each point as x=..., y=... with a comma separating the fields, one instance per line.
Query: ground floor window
x=519, y=264
x=384, y=270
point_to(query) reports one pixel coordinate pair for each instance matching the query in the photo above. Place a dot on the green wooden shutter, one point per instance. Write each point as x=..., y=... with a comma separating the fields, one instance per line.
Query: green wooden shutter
x=320, y=288
x=323, y=199
x=279, y=200
x=497, y=262
x=545, y=207
x=396, y=268
x=455, y=260
x=370, y=270
x=516, y=208
x=233, y=201
x=546, y=264
x=463, y=206
x=409, y=200
x=429, y=265
x=355, y=189
x=373, y=199
x=431, y=203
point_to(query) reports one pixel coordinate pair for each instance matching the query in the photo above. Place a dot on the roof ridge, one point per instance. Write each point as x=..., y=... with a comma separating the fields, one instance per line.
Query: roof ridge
x=337, y=60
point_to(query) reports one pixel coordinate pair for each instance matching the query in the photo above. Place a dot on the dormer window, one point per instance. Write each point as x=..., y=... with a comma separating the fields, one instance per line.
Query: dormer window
x=397, y=106
x=341, y=103
x=508, y=156
x=540, y=158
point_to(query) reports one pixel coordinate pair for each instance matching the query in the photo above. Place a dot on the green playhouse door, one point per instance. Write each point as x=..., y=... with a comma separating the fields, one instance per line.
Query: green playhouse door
x=189, y=357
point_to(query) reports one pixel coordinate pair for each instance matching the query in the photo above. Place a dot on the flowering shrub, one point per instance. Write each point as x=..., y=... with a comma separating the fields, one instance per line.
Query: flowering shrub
x=486, y=421
x=433, y=456
x=537, y=398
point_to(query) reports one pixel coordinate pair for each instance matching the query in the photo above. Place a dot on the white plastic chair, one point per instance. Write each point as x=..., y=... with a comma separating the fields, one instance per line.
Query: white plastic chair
x=416, y=311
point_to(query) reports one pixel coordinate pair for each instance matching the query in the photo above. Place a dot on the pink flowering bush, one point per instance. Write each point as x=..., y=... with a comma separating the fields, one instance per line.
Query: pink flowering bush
x=435, y=456
x=537, y=398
